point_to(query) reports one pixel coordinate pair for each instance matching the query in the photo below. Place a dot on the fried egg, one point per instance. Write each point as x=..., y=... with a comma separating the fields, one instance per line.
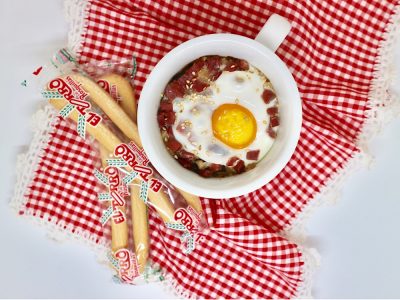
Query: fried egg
x=227, y=119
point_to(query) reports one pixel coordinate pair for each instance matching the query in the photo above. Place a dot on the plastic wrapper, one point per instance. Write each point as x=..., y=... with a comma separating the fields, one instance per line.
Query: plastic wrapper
x=100, y=100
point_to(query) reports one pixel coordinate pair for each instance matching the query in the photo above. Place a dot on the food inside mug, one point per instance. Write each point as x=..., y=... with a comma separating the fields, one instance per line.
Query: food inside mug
x=218, y=116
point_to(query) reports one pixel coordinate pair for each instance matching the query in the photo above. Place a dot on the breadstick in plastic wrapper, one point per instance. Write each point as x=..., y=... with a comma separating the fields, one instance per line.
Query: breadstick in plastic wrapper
x=110, y=139
x=101, y=132
x=71, y=98
x=119, y=232
x=106, y=103
x=191, y=200
x=140, y=227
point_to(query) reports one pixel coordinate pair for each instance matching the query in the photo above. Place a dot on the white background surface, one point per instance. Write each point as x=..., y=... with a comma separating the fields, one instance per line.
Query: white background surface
x=358, y=238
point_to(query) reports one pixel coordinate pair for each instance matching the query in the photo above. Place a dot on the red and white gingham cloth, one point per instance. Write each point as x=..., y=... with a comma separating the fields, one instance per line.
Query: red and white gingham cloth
x=331, y=51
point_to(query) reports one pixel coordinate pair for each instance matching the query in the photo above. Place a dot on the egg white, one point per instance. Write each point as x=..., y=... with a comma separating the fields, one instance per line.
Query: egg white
x=239, y=87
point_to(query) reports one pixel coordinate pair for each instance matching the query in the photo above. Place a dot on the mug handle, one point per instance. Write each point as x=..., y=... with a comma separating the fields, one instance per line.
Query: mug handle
x=273, y=32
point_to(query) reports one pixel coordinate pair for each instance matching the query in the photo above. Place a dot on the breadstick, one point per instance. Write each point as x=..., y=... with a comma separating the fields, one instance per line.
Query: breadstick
x=125, y=92
x=159, y=201
x=119, y=232
x=101, y=132
x=140, y=227
x=192, y=200
x=108, y=106
x=108, y=139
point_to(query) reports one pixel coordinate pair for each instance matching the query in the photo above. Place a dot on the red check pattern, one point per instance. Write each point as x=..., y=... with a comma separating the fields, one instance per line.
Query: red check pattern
x=331, y=51
x=63, y=185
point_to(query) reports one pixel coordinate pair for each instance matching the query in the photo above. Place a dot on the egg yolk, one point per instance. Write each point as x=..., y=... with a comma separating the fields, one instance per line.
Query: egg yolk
x=234, y=125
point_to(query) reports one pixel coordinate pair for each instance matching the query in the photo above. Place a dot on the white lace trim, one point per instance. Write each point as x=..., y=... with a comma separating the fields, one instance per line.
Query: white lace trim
x=384, y=106
x=42, y=125
x=75, y=13
x=26, y=166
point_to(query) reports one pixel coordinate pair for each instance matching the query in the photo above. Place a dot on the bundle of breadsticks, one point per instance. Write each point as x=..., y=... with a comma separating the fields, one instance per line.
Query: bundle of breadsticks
x=104, y=109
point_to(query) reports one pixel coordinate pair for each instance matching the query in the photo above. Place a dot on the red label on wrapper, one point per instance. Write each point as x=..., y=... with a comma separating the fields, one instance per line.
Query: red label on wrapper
x=118, y=216
x=191, y=220
x=138, y=161
x=76, y=96
x=110, y=88
x=128, y=265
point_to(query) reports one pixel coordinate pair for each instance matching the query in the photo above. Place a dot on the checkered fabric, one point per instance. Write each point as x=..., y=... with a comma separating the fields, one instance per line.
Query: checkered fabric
x=331, y=51
x=63, y=186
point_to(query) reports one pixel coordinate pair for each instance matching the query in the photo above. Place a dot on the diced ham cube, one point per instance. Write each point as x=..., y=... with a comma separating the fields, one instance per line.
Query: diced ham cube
x=213, y=63
x=169, y=117
x=196, y=67
x=174, y=89
x=182, y=128
x=268, y=96
x=188, y=78
x=237, y=64
x=165, y=118
x=243, y=65
x=253, y=154
x=166, y=106
x=271, y=132
x=232, y=161
x=185, y=79
x=272, y=111
x=205, y=172
x=185, y=163
x=186, y=155
x=274, y=121
x=231, y=66
x=240, y=167
x=173, y=144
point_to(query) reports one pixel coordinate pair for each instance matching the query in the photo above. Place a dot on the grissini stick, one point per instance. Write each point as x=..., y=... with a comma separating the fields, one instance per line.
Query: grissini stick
x=107, y=138
x=140, y=227
x=101, y=132
x=162, y=204
x=108, y=106
x=125, y=91
x=119, y=232
x=192, y=200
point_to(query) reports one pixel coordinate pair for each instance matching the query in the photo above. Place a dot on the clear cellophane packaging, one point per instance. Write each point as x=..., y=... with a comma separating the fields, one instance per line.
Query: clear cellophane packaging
x=99, y=101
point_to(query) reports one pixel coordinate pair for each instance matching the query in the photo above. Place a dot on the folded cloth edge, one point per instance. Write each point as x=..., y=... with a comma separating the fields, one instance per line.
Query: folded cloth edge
x=384, y=107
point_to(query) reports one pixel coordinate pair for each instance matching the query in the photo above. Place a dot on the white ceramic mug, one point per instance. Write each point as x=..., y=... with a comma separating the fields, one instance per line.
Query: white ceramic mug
x=259, y=53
